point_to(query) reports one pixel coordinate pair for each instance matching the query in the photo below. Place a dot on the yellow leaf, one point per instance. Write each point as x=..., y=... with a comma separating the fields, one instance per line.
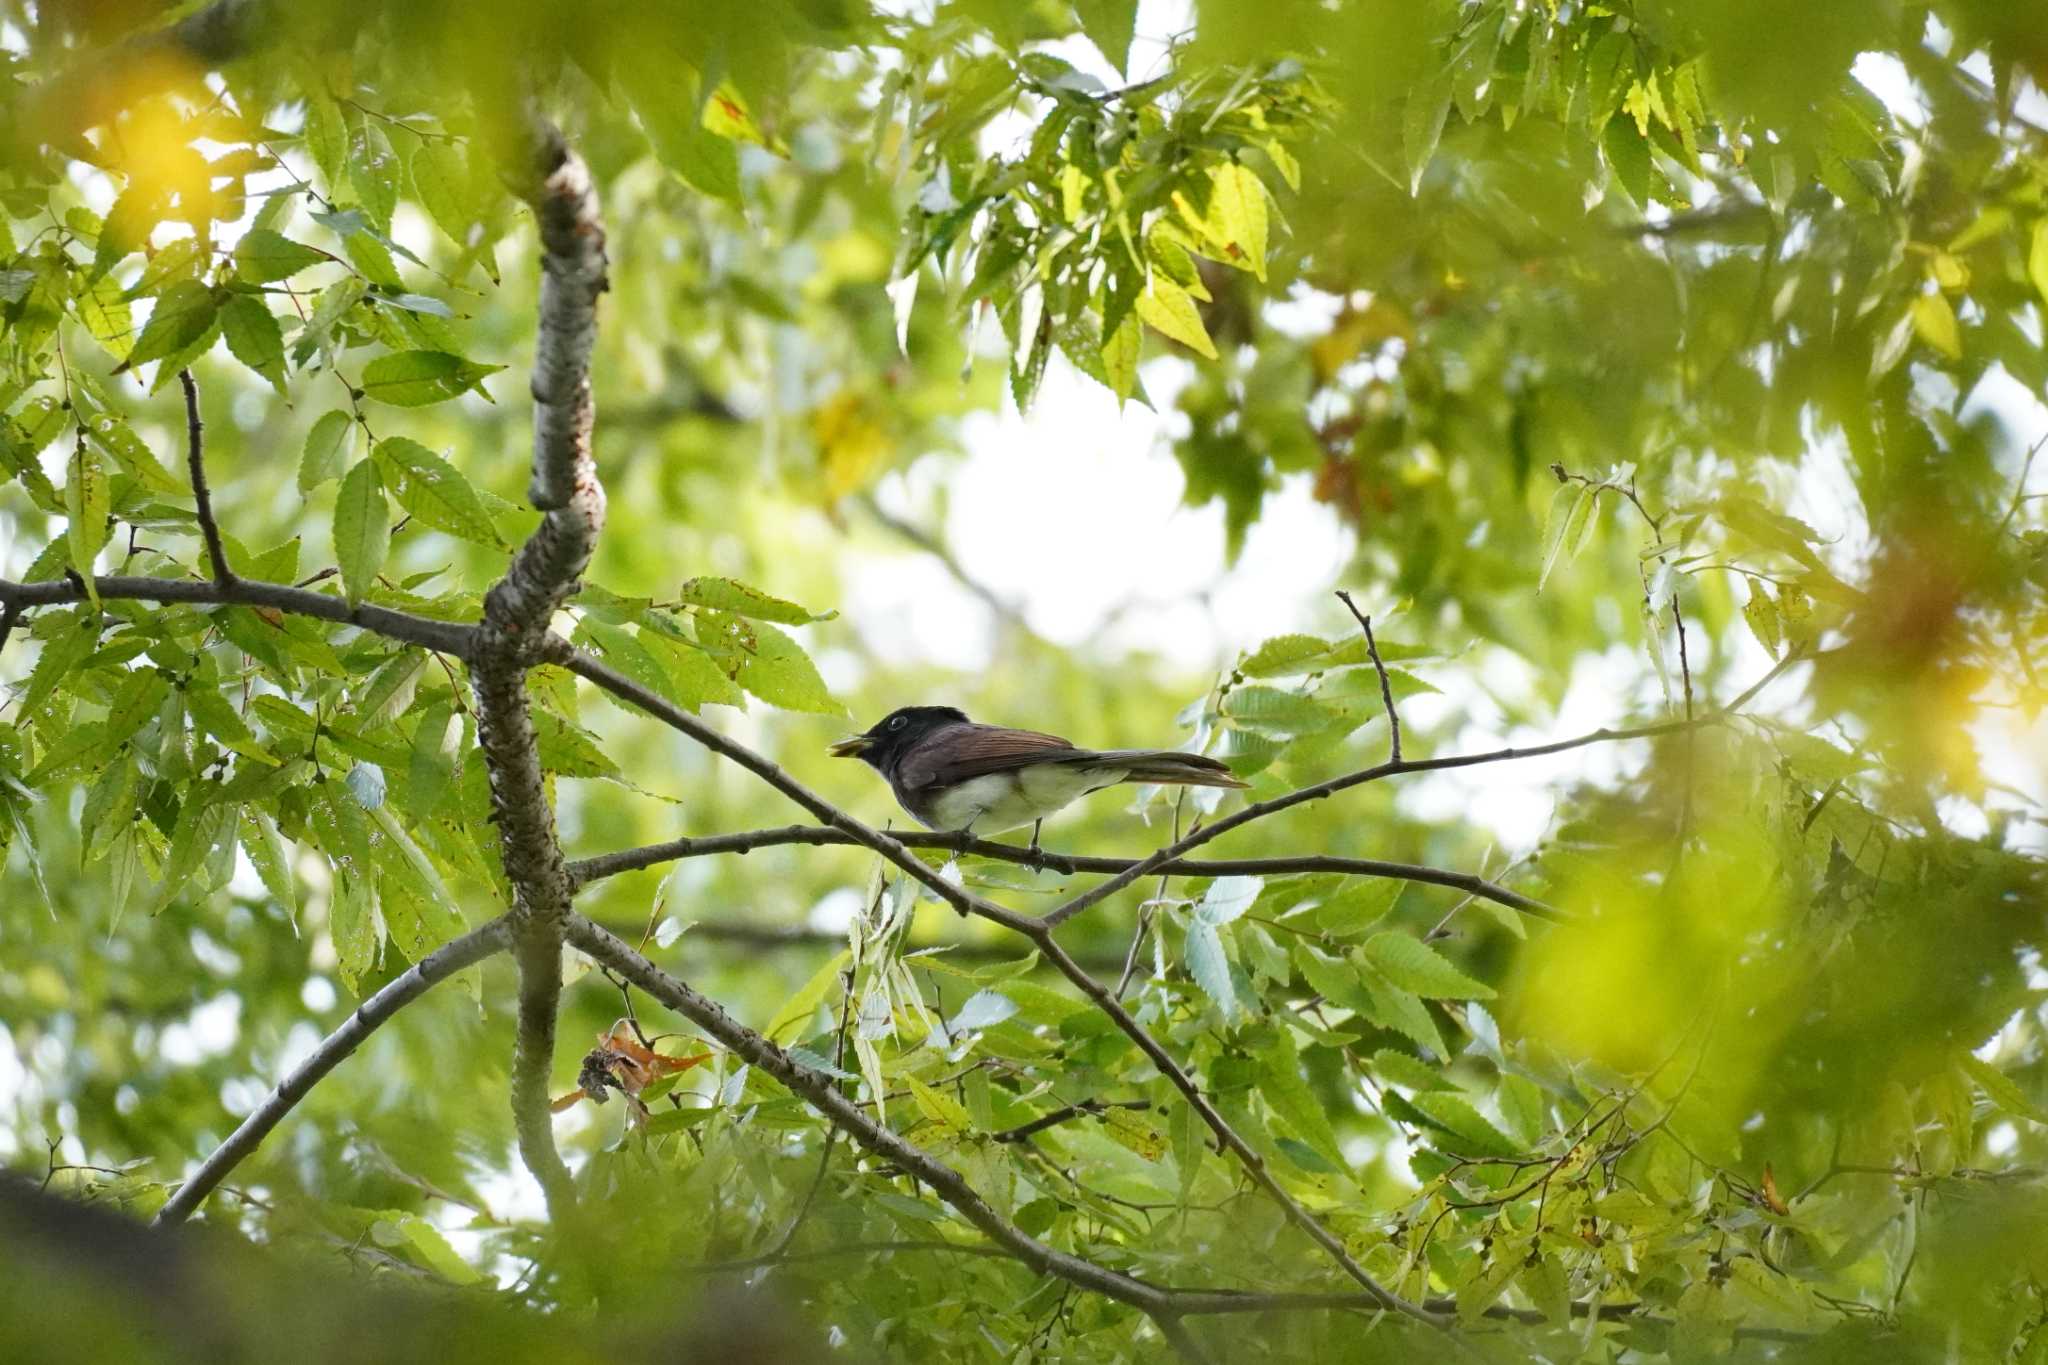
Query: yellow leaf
x=1120, y=358
x=1237, y=212
x=1935, y=321
x=2037, y=258
x=940, y=1108
x=1166, y=307
x=1073, y=191
x=851, y=443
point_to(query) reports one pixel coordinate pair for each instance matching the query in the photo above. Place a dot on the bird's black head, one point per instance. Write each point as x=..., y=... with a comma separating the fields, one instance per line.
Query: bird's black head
x=888, y=737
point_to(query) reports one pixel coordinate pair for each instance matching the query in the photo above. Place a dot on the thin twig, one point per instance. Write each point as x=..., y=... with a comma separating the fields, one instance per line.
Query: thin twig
x=442, y=963
x=1318, y=791
x=587, y=870
x=195, y=459
x=1372, y=649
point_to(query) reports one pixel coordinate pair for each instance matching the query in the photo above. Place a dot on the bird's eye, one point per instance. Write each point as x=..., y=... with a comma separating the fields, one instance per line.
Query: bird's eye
x=896, y=724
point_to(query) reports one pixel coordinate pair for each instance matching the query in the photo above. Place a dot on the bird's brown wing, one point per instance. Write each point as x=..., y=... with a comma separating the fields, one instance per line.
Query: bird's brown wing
x=959, y=752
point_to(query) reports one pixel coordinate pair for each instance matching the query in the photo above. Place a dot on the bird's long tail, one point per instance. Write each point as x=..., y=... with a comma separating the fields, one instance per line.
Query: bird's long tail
x=1170, y=767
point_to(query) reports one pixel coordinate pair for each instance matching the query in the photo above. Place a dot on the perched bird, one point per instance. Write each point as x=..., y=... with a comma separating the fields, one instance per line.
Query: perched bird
x=952, y=774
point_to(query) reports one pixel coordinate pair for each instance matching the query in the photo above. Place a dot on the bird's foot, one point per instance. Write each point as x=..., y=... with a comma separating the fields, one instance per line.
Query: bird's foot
x=1034, y=855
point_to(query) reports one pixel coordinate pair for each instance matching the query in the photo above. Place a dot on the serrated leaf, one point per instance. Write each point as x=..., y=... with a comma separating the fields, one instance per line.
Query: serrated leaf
x=1422, y=126
x=779, y=672
x=440, y=179
x=1760, y=613
x=107, y=317
x=1226, y=899
x=728, y=594
x=352, y=926
x=1287, y=1094
x=984, y=1009
x=87, y=501
x=362, y=529
x=434, y=491
x=1410, y=1073
x=184, y=314
x=1471, y=1134
x=1132, y=1130
x=1210, y=968
x=1356, y=906
x=373, y=172
x=253, y=337
x=271, y=858
x=1168, y=309
x=1413, y=965
x=1237, y=206
x=2003, y=1090
x=410, y=379
x=263, y=256
x=328, y=446
x=942, y=1109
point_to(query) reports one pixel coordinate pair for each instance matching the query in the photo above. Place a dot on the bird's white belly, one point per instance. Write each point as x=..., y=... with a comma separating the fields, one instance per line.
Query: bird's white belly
x=996, y=802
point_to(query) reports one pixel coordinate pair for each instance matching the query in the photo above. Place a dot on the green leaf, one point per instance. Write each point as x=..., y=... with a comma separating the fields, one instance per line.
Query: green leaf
x=1471, y=1134
x=1567, y=506
x=440, y=180
x=1169, y=309
x=726, y=594
x=2003, y=1090
x=263, y=256
x=328, y=446
x=1287, y=1094
x=87, y=502
x=1120, y=354
x=434, y=491
x=796, y=1012
x=108, y=317
x=434, y=1252
x=1110, y=25
x=692, y=676
x=770, y=665
x=183, y=316
x=1422, y=125
x=1226, y=899
x=1413, y=965
x=1402, y=1011
x=942, y=1109
x=1359, y=904
x=253, y=337
x=326, y=136
x=1761, y=615
x=352, y=926
x=673, y=117
x=362, y=529
x=1210, y=968
x=373, y=172
x=1410, y=1073
x=410, y=379
x=271, y=857
x=1131, y=1130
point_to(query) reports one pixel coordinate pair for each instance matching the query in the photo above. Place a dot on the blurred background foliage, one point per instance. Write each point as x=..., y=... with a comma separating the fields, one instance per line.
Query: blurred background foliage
x=1640, y=350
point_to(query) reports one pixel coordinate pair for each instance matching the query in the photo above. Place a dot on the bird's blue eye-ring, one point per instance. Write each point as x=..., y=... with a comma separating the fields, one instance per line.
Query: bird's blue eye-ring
x=896, y=724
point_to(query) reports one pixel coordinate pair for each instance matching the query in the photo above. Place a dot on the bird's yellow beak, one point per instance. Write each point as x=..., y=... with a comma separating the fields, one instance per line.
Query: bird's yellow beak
x=851, y=747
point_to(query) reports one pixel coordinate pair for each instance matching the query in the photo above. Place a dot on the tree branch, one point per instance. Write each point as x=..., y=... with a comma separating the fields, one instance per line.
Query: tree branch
x=1258, y=810
x=1372, y=648
x=586, y=870
x=444, y=637
x=195, y=457
x=543, y=573
x=450, y=958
